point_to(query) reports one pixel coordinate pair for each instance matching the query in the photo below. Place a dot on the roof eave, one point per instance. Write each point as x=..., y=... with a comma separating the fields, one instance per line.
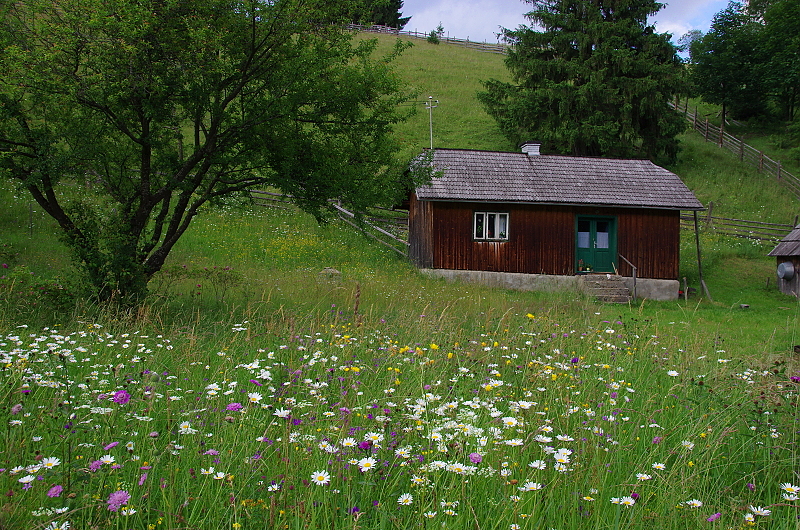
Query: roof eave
x=555, y=203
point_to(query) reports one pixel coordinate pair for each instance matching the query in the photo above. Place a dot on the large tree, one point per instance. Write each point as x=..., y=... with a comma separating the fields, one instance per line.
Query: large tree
x=595, y=80
x=123, y=118
x=781, y=45
x=728, y=63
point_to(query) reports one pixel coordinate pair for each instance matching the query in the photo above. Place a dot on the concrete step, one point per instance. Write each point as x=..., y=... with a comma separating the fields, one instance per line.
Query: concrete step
x=608, y=288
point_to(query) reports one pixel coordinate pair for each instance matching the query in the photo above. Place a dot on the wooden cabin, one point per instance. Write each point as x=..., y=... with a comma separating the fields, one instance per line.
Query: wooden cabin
x=550, y=215
x=787, y=254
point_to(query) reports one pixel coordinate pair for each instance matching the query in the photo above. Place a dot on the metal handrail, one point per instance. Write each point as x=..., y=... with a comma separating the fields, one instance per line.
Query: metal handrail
x=634, y=273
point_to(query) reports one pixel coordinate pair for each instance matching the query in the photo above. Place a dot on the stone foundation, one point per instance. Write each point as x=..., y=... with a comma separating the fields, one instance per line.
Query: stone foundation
x=645, y=287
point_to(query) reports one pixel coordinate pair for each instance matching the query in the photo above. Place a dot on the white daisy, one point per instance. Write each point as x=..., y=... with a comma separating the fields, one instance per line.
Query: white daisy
x=405, y=499
x=320, y=478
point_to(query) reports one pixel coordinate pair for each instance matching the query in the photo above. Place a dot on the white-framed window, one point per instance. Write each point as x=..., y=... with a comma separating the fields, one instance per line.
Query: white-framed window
x=490, y=226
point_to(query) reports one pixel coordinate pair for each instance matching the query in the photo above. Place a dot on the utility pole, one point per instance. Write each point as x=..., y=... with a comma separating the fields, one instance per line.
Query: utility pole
x=430, y=105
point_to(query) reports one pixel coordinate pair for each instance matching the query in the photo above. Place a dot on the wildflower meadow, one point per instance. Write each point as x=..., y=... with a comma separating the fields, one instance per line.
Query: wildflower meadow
x=537, y=423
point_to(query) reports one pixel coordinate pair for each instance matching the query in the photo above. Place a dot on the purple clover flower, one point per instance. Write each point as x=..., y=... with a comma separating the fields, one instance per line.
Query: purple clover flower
x=117, y=500
x=121, y=397
x=55, y=491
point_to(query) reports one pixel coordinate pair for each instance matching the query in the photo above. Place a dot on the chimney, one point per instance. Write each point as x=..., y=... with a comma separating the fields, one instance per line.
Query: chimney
x=531, y=148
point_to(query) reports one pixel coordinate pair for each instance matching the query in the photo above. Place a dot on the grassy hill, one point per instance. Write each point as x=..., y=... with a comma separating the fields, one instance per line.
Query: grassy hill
x=452, y=75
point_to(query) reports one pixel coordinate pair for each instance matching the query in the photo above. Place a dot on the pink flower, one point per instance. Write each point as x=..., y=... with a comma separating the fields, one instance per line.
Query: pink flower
x=475, y=458
x=111, y=445
x=234, y=407
x=117, y=500
x=55, y=491
x=714, y=517
x=121, y=397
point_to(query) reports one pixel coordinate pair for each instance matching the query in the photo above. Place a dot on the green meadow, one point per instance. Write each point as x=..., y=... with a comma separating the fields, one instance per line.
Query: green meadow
x=253, y=389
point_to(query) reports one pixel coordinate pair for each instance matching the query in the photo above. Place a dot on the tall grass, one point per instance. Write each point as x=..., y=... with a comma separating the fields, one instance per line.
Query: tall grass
x=548, y=418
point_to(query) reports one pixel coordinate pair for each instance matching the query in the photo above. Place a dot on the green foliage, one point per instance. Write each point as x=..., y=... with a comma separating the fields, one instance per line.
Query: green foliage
x=749, y=61
x=384, y=13
x=436, y=34
x=160, y=108
x=727, y=67
x=594, y=81
x=781, y=43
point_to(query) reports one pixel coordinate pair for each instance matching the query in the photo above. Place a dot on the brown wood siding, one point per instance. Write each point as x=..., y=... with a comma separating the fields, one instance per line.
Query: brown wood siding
x=650, y=239
x=542, y=238
x=420, y=232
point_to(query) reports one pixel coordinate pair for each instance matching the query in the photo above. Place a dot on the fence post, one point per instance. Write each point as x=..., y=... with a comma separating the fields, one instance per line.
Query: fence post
x=721, y=132
x=760, y=161
x=708, y=215
x=694, y=122
x=779, y=170
x=741, y=149
x=705, y=134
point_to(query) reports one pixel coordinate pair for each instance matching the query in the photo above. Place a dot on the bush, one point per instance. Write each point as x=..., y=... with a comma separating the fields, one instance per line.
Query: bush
x=436, y=34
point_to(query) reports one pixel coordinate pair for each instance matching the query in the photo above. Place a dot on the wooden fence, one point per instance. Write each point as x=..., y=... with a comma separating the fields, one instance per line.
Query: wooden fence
x=446, y=39
x=746, y=153
x=739, y=227
x=388, y=227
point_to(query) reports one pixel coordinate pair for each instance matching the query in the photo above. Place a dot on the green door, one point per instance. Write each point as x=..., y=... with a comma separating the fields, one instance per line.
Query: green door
x=596, y=244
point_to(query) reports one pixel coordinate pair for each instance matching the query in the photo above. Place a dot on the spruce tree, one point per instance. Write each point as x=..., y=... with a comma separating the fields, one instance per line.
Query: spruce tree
x=594, y=81
x=386, y=13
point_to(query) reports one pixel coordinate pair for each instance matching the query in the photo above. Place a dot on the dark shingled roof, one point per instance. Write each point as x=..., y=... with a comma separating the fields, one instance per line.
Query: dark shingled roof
x=789, y=245
x=491, y=176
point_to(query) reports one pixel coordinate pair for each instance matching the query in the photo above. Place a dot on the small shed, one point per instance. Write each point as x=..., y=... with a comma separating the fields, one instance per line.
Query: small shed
x=549, y=215
x=787, y=254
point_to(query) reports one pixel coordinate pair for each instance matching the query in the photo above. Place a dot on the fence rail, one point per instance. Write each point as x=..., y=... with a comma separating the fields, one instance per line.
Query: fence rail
x=447, y=39
x=388, y=229
x=739, y=227
x=746, y=153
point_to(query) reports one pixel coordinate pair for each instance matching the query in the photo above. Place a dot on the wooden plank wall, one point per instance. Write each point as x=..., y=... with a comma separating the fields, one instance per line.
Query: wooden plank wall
x=650, y=239
x=420, y=232
x=541, y=239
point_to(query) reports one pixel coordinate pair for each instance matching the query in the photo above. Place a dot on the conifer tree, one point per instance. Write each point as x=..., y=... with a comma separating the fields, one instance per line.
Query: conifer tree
x=386, y=13
x=594, y=81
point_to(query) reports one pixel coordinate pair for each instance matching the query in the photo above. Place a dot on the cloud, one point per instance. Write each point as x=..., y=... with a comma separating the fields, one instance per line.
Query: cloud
x=481, y=20
x=680, y=16
x=478, y=20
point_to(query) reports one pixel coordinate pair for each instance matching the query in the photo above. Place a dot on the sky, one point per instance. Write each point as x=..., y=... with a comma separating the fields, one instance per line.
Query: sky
x=480, y=20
